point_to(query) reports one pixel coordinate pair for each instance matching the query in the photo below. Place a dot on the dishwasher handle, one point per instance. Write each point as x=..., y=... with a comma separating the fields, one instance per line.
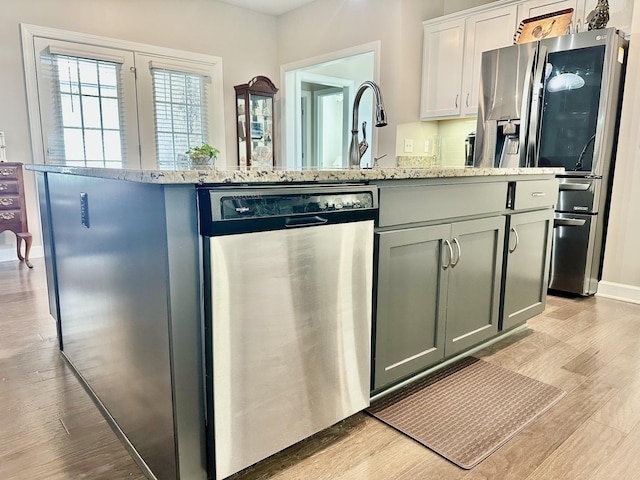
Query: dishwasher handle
x=292, y=222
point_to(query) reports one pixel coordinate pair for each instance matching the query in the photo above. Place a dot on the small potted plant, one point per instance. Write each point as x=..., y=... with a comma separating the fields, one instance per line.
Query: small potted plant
x=204, y=155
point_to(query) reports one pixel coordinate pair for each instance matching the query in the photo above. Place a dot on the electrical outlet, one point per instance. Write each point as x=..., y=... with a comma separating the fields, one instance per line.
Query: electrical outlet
x=408, y=145
x=427, y=146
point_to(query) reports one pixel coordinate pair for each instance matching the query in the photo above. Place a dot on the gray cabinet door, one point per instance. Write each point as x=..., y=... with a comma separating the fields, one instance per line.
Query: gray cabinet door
x=474, y=283
x=527, y=266
x=411, y=293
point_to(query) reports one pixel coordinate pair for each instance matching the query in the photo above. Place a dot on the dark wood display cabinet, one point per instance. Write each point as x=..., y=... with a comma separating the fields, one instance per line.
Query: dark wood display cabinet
x=255, y=112
x=13, y=211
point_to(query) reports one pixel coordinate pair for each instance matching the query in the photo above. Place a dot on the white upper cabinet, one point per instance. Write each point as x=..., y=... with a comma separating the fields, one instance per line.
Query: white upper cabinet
x=483, y=31
x=452, y=56
x=442, y=57
x=534, y=8
x=453, y=46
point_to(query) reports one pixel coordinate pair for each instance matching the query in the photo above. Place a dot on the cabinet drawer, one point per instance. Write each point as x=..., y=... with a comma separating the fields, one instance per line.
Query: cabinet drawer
x=8, y=186
x=7, y=173
x=535, y=194
x=424, y=203
x=9, y=202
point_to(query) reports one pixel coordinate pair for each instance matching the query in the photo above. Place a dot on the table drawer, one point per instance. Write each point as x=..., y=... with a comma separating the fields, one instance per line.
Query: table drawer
x=8, y=172
x=8, y=186
x=9, y=202
x=407, y=204
x=535, y=194
x=8, y=217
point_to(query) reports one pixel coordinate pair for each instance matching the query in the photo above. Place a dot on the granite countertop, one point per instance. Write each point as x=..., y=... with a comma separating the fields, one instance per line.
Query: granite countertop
x=212, y=176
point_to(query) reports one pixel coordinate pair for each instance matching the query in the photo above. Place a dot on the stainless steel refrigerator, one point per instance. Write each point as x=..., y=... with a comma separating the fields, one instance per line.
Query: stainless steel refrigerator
x=556, y=103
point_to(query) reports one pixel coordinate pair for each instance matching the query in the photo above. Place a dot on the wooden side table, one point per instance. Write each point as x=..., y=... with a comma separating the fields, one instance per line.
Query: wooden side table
x=13, y=211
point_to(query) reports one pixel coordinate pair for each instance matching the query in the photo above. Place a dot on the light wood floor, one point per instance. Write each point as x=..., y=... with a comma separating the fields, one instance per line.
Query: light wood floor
x=50, y=429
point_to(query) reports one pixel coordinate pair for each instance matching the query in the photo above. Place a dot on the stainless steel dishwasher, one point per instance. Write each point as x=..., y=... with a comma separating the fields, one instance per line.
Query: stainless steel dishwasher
x=288, y=296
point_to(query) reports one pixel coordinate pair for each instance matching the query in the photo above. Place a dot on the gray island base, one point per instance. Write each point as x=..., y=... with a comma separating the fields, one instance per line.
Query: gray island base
x=460, y=258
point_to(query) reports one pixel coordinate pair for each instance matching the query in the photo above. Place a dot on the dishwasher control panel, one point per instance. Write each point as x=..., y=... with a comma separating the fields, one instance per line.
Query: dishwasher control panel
x=269, y=206
x=264, y=205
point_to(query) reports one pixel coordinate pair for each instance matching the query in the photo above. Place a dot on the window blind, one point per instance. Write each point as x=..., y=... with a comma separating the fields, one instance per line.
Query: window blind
x=86, y=121
x=100, y=102
x=180, y=107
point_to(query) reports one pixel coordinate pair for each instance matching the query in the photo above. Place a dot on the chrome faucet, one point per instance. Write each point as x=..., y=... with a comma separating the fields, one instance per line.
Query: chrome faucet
x=357, y=148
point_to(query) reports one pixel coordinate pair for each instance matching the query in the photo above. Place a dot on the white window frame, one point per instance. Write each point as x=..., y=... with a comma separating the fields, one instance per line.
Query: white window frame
x=179, y=58
x=48, y=108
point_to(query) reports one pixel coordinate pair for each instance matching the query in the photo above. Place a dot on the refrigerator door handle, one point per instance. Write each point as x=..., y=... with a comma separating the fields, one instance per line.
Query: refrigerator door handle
x=536, y=107
x=569, y=222
x=575, y=186
x=524, y=110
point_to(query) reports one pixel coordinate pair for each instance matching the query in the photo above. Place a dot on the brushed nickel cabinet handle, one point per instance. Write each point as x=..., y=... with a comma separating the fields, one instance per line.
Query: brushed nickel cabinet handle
x=512, y=229
x=455, y=240
x=538, y=194
x=467, y=101
x=457, y=96
x=445, y=266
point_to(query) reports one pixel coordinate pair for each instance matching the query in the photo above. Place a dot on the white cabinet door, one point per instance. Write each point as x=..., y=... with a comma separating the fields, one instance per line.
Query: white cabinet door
x=534, y=8
x=483, y=31
x=442, y=69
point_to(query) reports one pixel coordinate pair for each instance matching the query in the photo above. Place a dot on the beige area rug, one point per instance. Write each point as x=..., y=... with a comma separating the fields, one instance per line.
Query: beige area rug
x=467, y=410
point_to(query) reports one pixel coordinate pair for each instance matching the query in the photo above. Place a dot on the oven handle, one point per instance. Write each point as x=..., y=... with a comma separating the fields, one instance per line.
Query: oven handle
x=569, y=222
x=305, y=221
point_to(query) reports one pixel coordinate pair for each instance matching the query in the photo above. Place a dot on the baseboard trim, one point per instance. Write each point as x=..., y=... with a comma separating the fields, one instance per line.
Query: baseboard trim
x=619, y=291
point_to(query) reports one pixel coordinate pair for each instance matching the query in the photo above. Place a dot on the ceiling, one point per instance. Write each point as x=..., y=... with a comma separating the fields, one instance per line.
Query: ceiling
x=270, y=7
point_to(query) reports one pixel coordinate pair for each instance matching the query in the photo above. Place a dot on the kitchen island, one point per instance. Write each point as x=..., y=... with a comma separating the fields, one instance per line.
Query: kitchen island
x=125, y=272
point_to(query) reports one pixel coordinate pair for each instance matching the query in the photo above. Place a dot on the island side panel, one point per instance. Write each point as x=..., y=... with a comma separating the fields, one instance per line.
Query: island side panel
x=112, y=278
x=186, y=305
x=47, y=243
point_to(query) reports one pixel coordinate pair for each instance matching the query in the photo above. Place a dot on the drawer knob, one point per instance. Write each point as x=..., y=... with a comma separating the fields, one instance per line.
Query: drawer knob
x=4, y=186
x=7, y=215
x=5, y=202
x=7, y=172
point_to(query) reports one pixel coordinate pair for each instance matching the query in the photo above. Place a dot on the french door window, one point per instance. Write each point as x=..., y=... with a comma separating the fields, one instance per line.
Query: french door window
x=106, y=103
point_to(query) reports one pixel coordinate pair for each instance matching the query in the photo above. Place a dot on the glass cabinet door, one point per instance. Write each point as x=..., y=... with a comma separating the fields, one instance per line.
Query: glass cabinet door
x=255, y=111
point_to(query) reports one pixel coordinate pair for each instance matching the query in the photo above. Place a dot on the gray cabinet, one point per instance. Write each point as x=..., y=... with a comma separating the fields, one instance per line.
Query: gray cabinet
x=438, y=293
x=473, y=293
x=527, y=253
x=409, y=326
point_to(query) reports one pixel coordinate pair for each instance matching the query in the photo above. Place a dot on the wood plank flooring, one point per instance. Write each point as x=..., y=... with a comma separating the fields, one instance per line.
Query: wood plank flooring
x=50, y=428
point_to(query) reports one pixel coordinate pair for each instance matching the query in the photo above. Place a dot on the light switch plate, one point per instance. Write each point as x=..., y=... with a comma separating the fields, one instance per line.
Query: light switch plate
x=3, y=156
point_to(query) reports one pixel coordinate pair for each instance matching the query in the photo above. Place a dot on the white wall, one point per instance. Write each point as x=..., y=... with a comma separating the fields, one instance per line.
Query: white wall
x=245, y=40
x=328, y=26
x=621, y=271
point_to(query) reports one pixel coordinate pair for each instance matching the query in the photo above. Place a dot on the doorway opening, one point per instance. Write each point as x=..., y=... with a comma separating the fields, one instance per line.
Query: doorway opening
x=318, y=98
